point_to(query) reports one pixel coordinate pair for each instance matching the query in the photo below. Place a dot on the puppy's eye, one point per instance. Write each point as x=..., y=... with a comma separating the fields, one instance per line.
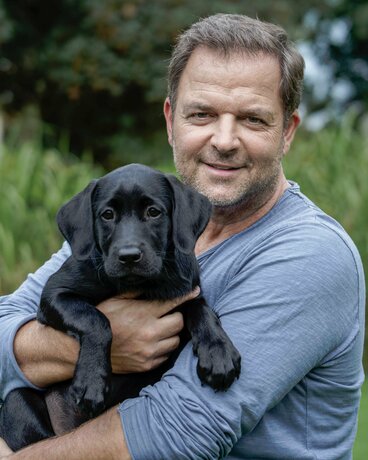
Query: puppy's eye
x=108, y=214
x=153, y=212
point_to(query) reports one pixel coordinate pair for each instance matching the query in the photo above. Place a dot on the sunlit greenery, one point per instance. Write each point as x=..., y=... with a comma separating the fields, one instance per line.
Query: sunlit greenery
x=96, y=69
x=361, y=443
x=33, y=184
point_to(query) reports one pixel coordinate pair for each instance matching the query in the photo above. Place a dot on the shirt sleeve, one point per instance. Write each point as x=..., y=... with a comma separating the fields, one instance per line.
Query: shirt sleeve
x=17, y=309
x=288, y=306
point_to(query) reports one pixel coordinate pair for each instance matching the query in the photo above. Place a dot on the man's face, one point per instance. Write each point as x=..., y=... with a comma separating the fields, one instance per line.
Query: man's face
x=228, y=132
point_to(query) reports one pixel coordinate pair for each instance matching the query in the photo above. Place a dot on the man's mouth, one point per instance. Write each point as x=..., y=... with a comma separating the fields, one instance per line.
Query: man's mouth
x=222, y=169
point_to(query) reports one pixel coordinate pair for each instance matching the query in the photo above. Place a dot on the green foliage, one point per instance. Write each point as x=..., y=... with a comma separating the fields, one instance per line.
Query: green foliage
x=96, y=70
x=33, y=184
x=361, y=444
x=338, y=35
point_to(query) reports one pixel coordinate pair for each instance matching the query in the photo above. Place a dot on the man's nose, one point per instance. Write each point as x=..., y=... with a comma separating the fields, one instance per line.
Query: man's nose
x=225, y=138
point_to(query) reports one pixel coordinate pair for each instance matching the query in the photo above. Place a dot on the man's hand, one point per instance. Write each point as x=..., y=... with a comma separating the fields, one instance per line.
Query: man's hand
x=99, y=439
x=4, y=449
x=144, y=332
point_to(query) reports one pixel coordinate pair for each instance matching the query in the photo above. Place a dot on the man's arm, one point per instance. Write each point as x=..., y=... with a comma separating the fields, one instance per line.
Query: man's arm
x=101, y=438
x=16, y=311
x=4, y=449
x=144, y=334
x=177, y=417
x=285, y=310
x=45, y=355
x=31, y=354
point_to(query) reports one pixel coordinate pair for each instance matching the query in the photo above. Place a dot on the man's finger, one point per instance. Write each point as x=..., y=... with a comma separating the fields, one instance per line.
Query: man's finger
x=165, y=307
x=4, y=449
x=167, y=346
x=169, y=325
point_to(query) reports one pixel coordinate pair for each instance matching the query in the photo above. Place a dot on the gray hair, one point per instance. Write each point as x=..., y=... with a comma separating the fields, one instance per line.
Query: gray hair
x=229, y=33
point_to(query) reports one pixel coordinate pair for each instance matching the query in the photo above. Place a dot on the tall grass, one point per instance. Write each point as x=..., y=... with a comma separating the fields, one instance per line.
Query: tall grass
x=33, y=184
x=361, y=442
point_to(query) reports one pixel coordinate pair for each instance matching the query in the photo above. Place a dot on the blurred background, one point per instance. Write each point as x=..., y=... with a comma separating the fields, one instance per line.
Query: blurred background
x=82, y=84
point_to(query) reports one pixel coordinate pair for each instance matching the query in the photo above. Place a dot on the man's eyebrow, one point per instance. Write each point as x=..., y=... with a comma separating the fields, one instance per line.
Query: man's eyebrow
x=197, y=106
x=257, y=112
x=242, y=113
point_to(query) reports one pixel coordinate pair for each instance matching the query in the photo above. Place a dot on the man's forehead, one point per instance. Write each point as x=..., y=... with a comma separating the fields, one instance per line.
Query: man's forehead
x=203, y=56
x=252, y=79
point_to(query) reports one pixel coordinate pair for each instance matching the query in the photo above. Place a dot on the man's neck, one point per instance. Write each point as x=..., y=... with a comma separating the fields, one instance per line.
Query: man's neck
x=228, y=221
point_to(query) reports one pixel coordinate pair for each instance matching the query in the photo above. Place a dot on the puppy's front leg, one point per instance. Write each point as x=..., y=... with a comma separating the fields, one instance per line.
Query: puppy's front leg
x=76, y=317
x=218, y=359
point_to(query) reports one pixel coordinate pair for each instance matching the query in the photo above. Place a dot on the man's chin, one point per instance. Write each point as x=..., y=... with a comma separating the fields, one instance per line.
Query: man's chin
x=223, y=199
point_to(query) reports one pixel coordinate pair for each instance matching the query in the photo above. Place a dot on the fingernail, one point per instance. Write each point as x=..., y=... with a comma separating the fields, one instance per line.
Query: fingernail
x=197, y=291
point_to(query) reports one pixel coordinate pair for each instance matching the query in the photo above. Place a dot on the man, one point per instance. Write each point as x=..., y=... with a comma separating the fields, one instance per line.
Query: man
x=285, y=279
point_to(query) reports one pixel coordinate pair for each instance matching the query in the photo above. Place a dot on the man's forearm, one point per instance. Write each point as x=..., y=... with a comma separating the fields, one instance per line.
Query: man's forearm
x=45, y=356
x=99, y=439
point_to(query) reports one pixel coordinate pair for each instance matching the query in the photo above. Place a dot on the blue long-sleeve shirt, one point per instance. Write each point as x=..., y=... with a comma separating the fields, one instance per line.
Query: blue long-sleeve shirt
x=290, y=293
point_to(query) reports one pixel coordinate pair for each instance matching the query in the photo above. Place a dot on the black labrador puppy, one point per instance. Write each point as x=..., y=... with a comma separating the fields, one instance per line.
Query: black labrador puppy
x=132, y=230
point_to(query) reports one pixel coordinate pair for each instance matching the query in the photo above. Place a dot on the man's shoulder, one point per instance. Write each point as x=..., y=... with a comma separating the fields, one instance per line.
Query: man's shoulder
x=296, y=215
x=295, y=229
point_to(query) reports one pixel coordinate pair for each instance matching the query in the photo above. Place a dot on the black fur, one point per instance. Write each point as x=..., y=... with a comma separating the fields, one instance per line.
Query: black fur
x=132, y=230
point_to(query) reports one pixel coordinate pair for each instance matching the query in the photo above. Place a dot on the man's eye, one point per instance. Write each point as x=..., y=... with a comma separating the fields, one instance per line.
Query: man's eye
x=153, y=212
x=200, y=115
x=255, y=121
x=108, y=214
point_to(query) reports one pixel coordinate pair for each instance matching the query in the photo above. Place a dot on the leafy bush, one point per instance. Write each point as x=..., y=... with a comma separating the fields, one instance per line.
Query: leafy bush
x=33, y=184
x=361, y=445
x=92, y=66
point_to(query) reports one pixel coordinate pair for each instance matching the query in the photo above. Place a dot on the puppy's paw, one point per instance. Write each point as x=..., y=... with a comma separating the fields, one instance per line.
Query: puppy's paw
x=219, y=363
x=90, y=397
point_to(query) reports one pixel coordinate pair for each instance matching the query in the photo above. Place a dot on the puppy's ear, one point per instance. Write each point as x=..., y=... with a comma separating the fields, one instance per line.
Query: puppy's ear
x=75, y=221
x=191, y=213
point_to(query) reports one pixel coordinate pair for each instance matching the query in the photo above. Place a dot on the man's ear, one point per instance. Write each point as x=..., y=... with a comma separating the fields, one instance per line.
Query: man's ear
x=169, y=119
x=75, y=220
x=289, y=130
x=190, y=215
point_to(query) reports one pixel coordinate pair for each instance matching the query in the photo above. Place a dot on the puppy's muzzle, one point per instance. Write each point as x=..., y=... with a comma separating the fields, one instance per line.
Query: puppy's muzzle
x=130, y=255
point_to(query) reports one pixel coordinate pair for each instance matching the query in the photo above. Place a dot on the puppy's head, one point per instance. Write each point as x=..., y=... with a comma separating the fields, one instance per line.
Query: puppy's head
x=138, y=219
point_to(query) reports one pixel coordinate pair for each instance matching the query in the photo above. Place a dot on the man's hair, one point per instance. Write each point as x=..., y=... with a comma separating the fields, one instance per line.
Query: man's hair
x=228, y=33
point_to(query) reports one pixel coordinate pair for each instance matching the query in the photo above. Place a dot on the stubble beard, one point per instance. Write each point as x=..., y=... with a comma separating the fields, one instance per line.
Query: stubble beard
x=250, y=194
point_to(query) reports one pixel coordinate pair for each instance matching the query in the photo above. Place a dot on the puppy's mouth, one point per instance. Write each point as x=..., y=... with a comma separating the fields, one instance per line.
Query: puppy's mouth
x=132, y=280
x=132, y=273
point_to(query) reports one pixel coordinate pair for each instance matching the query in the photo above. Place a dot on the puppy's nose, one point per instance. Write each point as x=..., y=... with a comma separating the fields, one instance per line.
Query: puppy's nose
x=130, y=255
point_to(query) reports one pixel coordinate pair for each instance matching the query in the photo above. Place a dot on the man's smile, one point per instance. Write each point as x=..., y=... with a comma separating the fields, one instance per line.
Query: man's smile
x=221, y=169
